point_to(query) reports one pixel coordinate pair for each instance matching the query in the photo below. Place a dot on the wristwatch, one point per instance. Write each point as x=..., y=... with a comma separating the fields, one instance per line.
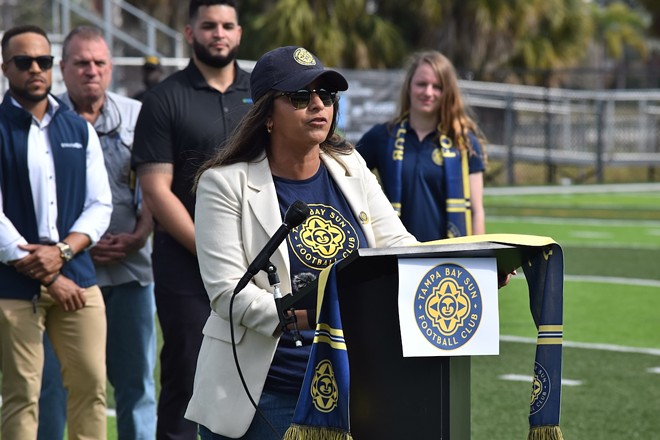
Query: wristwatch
x=65, y=251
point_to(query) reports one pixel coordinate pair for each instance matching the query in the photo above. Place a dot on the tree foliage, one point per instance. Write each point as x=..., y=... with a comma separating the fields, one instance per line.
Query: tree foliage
x=619, y=27
x=485, y=37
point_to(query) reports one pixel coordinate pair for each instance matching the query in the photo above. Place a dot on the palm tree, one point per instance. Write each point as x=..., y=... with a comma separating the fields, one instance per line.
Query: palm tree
x=552, y=35
x=621, y=31
x=487, y=37
x=476, y=35
x=618, y=27
x=343, y=33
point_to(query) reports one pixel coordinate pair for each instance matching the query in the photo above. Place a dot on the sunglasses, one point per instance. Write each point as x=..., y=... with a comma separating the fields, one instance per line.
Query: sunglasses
x=24, y=62
x=302, y=98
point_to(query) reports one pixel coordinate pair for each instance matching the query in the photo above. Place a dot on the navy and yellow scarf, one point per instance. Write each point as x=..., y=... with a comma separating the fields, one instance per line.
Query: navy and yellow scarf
x=543, y=265
x=457, y=180
x=323, y=412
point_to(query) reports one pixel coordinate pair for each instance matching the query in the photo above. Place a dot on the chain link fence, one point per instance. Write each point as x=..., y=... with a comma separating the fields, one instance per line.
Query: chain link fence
x=536, y=135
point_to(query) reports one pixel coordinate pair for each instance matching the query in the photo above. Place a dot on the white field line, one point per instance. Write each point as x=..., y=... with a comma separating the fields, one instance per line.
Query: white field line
x=588, y=346
x=600, y=279
x=523, y=378
x=573, y=189
x=574, y=221
x=613, y=280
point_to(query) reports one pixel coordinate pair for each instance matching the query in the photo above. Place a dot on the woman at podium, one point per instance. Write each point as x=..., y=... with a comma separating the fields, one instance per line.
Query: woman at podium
x=285, y=150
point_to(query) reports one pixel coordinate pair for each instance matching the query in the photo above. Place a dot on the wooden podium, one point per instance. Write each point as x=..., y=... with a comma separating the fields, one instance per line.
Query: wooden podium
x=391, y=396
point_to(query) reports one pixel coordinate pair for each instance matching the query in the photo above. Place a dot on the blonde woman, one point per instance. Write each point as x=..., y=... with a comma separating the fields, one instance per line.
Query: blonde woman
x=430, y=157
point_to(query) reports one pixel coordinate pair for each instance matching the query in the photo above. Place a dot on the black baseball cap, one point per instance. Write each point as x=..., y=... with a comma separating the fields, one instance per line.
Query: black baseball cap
x=289, y=69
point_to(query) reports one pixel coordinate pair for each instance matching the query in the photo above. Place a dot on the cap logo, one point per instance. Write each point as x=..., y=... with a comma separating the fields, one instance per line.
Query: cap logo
x=303, y=57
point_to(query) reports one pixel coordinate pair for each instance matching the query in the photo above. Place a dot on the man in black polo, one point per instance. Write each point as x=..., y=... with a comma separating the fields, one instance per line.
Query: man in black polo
x=183, y=121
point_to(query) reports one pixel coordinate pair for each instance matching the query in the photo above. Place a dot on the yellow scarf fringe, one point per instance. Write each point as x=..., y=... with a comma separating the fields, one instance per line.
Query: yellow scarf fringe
x=298, y=432
x=545, y=433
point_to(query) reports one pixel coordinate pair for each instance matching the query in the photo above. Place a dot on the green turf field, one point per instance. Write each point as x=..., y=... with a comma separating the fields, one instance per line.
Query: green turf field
x=611, y=367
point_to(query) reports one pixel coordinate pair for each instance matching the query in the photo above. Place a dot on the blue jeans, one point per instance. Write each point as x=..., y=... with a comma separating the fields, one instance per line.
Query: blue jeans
x=278, y=409
x=131, y=359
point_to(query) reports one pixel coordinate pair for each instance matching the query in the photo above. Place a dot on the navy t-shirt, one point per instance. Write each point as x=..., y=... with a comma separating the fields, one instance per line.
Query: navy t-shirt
x=423, y=196
x=329, y=234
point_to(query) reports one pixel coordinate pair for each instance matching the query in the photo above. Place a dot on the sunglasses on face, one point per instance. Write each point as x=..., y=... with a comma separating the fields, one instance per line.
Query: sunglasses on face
x=302, y=98
x=24, y=62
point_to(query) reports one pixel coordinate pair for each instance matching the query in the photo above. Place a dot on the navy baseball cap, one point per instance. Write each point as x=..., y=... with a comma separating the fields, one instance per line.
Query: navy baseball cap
x=289, y=69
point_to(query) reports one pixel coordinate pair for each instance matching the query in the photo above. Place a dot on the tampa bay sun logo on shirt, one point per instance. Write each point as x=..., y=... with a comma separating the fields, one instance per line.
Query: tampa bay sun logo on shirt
x=324, y=238
x=448, y=306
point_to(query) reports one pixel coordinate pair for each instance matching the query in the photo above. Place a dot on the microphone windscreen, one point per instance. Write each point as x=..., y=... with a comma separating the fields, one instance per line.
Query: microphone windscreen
x=296, y=214
x=302, y=280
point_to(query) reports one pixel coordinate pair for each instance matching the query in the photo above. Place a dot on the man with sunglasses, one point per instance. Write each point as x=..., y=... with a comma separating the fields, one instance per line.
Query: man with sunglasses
x=122, y=257
x=56, y=203
x=184, y=120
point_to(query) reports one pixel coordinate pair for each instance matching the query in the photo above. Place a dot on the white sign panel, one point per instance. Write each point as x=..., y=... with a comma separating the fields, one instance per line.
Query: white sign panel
x=448, y=307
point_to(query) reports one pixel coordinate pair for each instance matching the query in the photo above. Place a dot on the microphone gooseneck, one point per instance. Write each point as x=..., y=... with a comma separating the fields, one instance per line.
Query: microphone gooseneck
x=293, y=217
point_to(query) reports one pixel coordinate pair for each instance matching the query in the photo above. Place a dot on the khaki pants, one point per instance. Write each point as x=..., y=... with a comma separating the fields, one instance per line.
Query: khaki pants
x=79, y=342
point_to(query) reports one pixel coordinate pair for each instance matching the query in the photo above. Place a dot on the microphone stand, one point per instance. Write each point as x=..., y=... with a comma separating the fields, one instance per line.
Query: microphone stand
x=287, y=316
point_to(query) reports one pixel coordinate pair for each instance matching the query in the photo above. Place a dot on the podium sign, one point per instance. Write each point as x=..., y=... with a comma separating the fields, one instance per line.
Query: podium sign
x=448, y=307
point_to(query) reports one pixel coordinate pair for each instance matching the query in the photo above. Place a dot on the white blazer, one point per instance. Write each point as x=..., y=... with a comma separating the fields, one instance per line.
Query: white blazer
x=236, y=212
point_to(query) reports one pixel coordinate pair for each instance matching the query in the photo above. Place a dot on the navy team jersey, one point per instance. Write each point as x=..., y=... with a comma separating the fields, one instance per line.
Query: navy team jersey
x=329, y=234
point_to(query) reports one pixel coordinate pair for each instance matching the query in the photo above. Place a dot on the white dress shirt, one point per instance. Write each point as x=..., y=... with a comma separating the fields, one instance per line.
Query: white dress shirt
x=95, y=217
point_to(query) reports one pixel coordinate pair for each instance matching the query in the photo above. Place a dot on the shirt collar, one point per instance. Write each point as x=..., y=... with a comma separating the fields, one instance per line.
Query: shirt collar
x=53, y=106
x=241, y=78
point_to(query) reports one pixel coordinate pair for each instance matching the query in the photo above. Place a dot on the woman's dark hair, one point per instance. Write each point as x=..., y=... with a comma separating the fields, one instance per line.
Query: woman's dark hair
x=251, y=139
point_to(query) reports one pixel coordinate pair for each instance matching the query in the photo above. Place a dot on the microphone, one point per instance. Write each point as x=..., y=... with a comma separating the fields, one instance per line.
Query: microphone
x=293, y=217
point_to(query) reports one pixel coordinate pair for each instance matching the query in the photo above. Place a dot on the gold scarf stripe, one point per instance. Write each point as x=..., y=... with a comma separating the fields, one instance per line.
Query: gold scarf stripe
x=550, y=334
x=333, y=331
x=549, y=341
x=458, y=205
x=331, y=342
x=551, y=328
x=334, y=337
x=459, y=202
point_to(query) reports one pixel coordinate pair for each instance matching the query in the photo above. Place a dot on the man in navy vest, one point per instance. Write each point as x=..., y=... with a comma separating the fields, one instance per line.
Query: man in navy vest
x=56, y=203
x=122, y=257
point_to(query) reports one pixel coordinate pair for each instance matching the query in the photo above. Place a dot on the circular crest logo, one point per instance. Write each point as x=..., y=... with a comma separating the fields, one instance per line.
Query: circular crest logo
x=436, y=157
x=453, y=230
x=324, y=238
x=540, y=388
x=303, y=57
x=447, y=145
x=448, y=306
x=324, y=391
